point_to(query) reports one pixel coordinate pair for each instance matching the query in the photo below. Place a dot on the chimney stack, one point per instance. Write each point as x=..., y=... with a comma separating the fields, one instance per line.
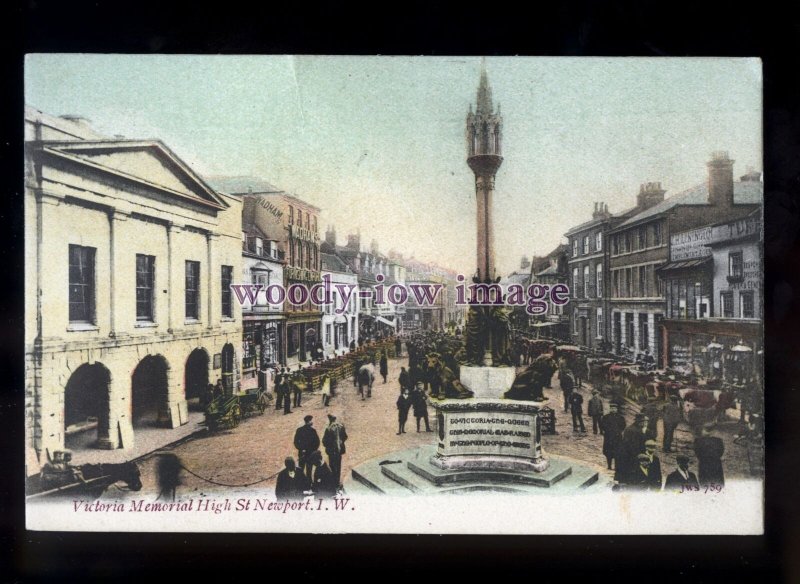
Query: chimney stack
x=720, y=179
x=330, y=236
x=650, y=194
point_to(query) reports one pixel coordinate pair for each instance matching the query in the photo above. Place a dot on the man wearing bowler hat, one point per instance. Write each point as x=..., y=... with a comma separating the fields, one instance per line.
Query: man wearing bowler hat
x=306, y=440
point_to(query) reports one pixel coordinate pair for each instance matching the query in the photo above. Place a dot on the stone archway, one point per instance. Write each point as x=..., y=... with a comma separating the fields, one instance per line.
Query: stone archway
x=196, y=378
x=149, y=392
x=86, y=405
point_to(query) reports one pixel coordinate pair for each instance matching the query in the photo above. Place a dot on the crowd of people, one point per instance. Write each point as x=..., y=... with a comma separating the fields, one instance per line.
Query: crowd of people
x=631, y=451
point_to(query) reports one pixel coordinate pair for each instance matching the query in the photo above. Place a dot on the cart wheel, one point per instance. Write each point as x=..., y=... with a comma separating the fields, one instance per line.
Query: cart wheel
x=262, y=404
x=236, y=415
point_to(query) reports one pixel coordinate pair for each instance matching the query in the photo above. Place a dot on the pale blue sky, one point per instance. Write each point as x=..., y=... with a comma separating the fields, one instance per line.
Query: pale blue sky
x=378, y=143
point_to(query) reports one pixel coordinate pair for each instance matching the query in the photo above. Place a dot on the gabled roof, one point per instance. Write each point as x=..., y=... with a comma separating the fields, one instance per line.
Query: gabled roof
x=744, y=193
x=147, y=162
x=333, y=263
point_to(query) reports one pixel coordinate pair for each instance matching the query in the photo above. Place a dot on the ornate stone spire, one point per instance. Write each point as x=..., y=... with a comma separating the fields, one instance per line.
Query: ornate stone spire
x=484, y=92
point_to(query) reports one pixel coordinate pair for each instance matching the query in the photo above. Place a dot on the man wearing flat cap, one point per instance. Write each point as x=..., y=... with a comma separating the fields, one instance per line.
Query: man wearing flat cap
x=682, y=479
x=596, y=411
x=306, y=440
x=654, y=465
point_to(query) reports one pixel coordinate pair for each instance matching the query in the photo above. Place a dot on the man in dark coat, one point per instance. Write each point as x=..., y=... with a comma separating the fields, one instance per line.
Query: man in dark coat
x=671, y=416
x=576, y=407
x=384, y=365
x=653, y=412
x=420, y=405
x=596, y=411
x=398, y=347
x=612, y=424
x=403, y=405
x=567, y=385
x=682, y=479
x=641, y=475
x=324, y=481
x=280, y=379
x=334, y=440
x=709, y=450
x=404, y=379
x=298, y=384
x=291, y=482
x=632, y=445
x=306, y=440
x=654, y=466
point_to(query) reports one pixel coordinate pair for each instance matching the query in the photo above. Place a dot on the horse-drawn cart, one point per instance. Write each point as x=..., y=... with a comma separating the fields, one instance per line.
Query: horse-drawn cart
x=254, y=401
x=223, y=413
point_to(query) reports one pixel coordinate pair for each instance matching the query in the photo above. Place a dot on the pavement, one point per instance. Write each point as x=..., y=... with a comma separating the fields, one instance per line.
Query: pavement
x=247, y=458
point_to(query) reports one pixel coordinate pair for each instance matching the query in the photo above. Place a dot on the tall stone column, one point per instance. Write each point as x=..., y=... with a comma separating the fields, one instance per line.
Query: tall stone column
x=118, y=249
x=174, y=287
x=214, y=279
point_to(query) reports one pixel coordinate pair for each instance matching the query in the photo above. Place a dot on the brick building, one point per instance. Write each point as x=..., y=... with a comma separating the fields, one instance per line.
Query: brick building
x=640, y=244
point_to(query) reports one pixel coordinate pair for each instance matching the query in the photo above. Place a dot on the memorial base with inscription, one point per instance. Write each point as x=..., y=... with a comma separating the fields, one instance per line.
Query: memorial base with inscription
x=485, y=443
x=488, y=434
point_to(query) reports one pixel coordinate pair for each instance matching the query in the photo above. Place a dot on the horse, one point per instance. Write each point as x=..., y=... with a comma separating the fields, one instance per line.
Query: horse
x=92, y=480
x=366, y=375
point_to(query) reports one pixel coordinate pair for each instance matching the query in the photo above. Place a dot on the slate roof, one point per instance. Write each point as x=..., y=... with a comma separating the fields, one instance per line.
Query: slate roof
x=239, y=185
x=333, y=263
x=744, y=193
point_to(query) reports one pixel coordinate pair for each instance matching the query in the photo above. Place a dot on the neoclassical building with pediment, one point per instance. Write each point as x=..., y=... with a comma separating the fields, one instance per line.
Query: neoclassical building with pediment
x=129, y=255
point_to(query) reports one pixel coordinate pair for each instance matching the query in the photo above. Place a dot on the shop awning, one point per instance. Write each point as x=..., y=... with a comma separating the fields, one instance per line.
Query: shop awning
x=543, y=324
x=684, y=264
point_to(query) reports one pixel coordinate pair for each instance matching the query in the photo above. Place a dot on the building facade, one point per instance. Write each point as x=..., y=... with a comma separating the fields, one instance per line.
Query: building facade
x=550, y=270
x=714, y=305
x=264, y=322
x=640, y=245
x=129, y=313
x=339, y=330
x=587, y=268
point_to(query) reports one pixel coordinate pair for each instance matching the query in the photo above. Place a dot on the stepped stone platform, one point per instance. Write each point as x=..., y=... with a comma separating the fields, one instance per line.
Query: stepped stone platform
x=409, y=472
